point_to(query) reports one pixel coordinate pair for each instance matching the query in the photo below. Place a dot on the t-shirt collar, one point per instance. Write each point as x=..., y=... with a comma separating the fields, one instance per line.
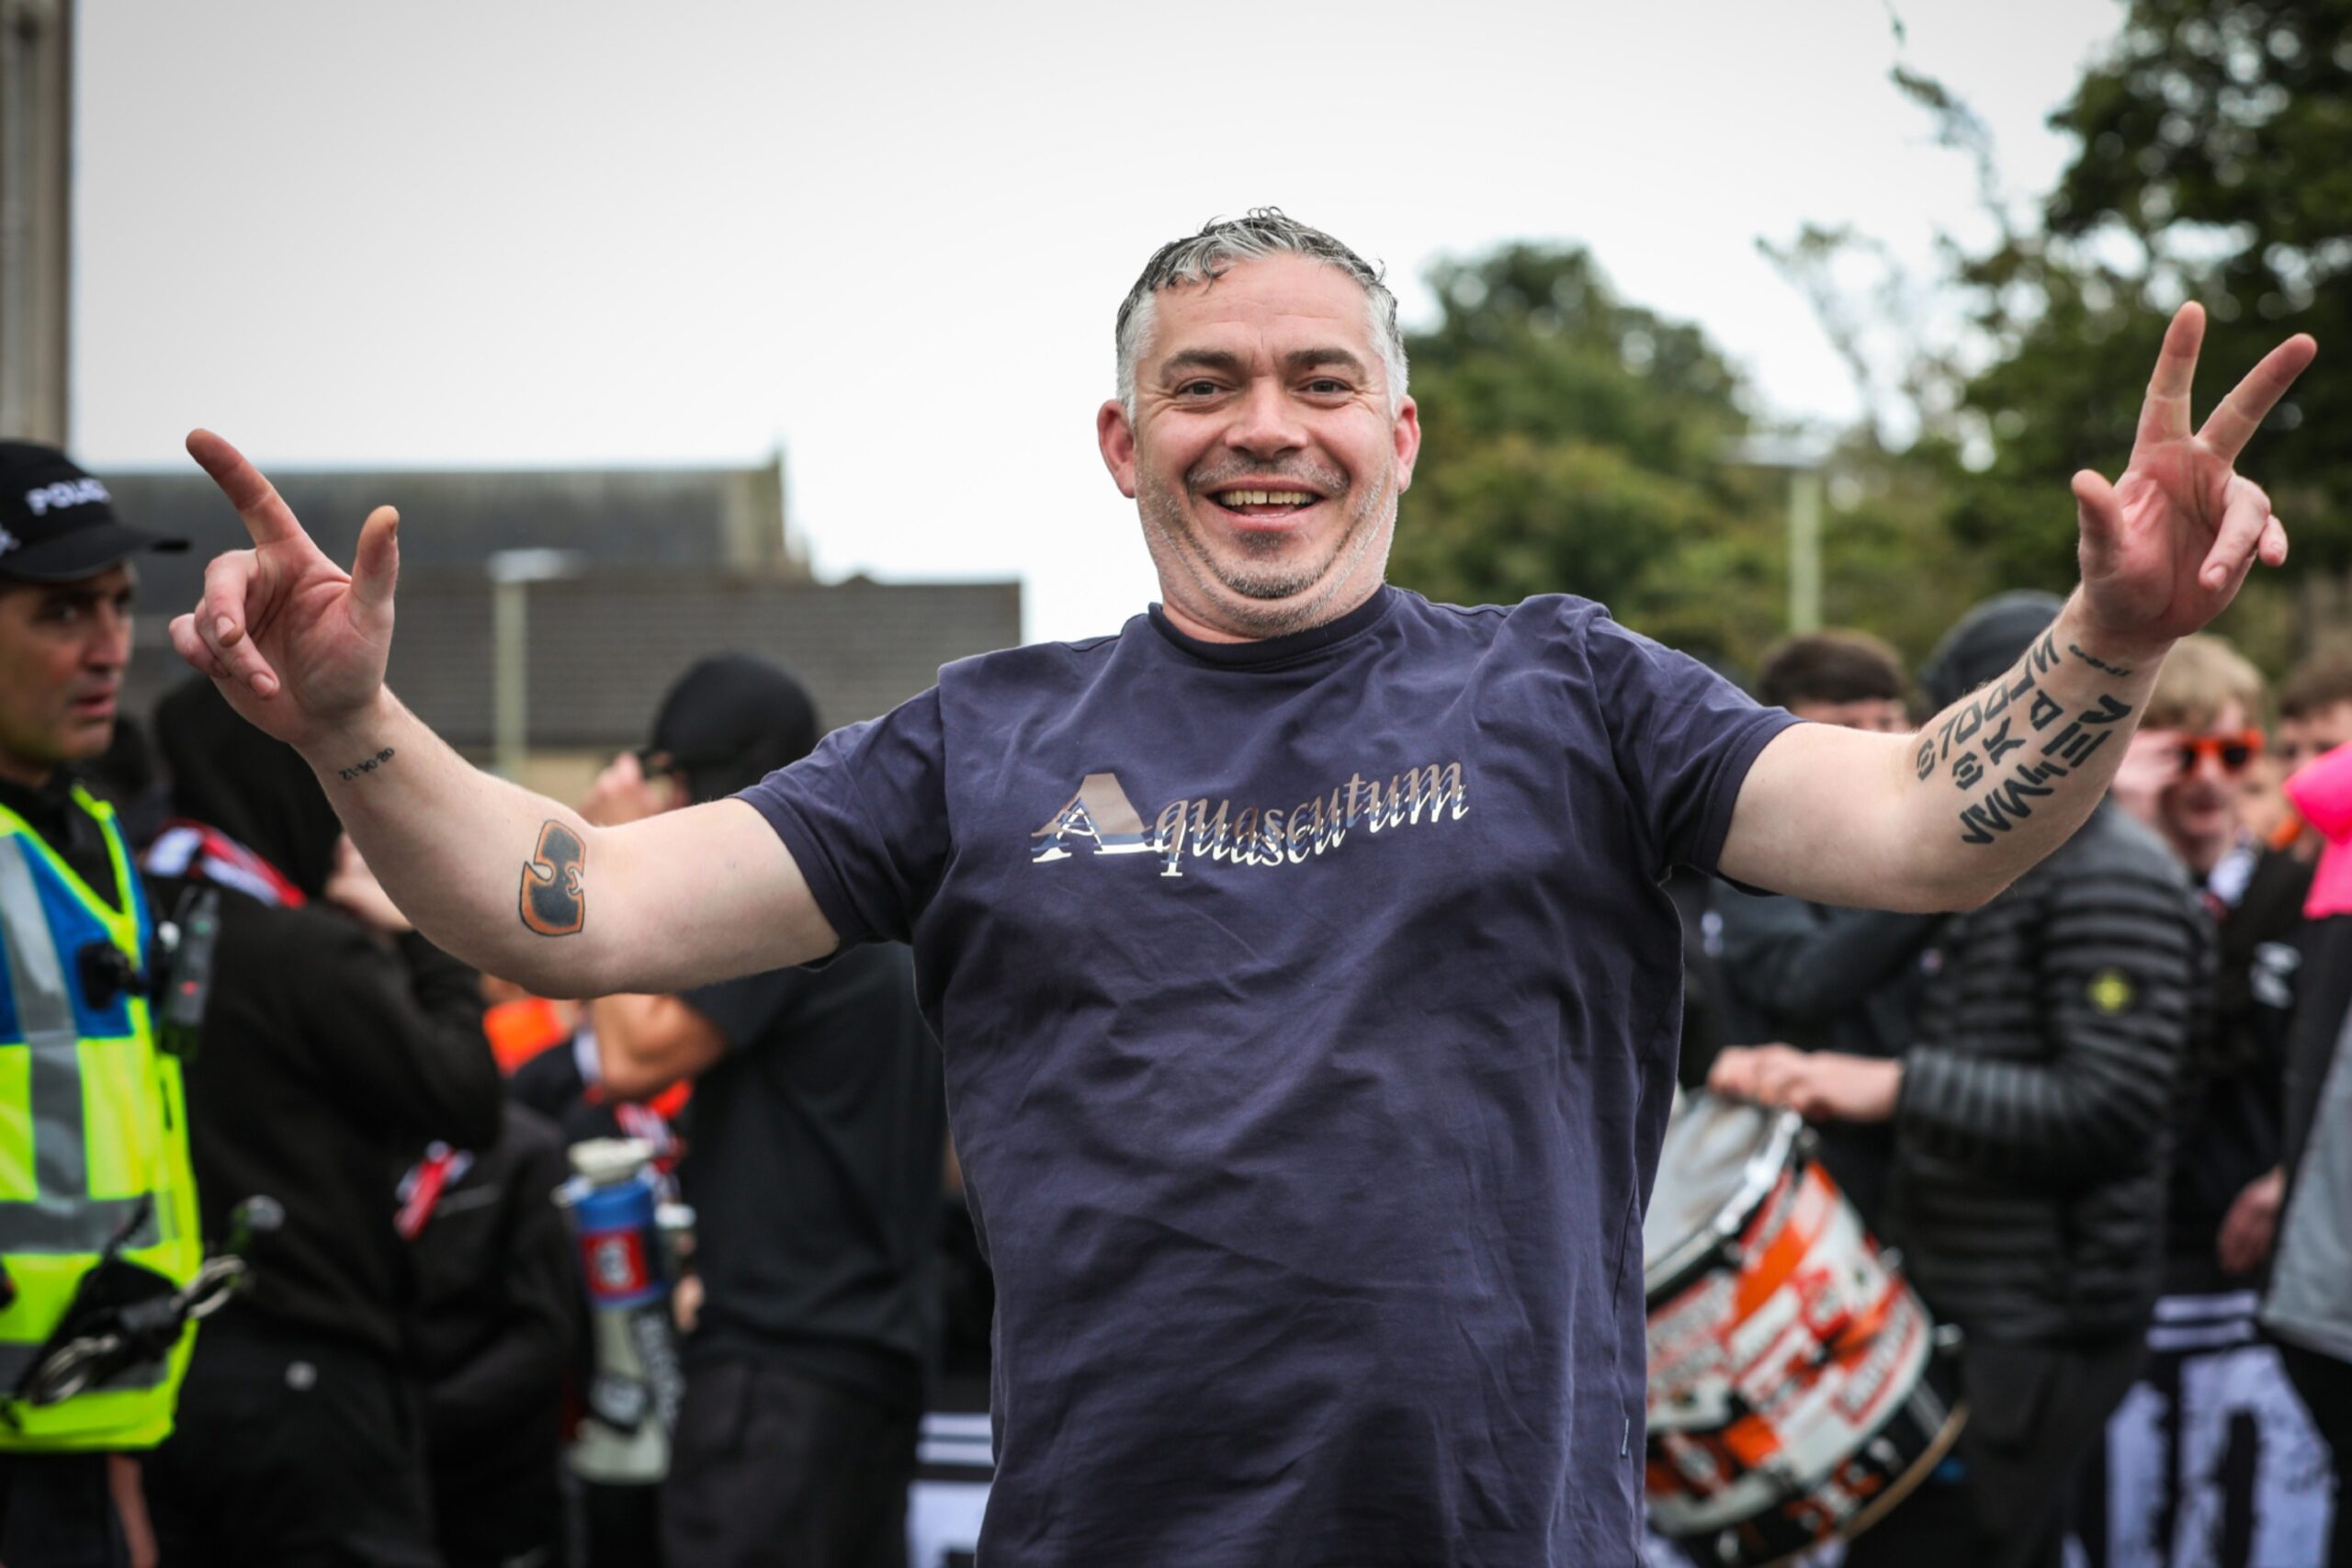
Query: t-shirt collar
x=1280, y=649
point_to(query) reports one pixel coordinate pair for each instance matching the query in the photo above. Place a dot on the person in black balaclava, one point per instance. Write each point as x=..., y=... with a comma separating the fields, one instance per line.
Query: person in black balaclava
x=813, y=1164
x=332, y=1044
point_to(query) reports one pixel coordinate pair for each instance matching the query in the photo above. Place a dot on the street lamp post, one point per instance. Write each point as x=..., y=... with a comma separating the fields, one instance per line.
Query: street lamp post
x=511, y=574
x=1803, y=461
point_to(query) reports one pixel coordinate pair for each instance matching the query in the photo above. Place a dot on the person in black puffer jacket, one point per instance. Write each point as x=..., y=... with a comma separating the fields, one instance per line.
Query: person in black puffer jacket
x=2031, y=1147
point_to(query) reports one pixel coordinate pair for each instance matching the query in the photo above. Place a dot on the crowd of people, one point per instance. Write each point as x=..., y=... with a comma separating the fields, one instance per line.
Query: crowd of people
x=2078, y=1100
x=1305, y=1142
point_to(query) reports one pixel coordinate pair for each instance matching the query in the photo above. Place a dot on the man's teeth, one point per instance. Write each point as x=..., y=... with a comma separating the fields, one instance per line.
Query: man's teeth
x=1265, y=497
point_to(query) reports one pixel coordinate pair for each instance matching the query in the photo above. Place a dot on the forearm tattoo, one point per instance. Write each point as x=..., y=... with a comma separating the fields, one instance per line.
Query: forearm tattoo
x=364, y=765
x=2013, y=714
x=554, y=903
x=2117, y=671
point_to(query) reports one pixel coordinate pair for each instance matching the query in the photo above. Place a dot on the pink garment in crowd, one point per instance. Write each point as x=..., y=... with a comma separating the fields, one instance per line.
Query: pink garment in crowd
x=2321, y=791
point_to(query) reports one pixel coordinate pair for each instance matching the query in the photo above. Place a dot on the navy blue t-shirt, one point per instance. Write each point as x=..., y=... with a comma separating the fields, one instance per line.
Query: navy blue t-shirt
x=1310, y=1009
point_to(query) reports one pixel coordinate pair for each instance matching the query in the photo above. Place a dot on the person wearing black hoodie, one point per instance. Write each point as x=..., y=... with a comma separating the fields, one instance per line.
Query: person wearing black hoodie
x=330, y=1049
x=813, y=1158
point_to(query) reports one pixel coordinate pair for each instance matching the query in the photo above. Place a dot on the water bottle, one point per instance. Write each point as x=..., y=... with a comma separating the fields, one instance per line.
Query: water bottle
x=629, y=1242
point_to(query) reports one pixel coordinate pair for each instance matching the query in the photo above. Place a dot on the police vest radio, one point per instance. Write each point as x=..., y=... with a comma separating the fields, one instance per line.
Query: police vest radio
x=631, y=1242
x=183, y=981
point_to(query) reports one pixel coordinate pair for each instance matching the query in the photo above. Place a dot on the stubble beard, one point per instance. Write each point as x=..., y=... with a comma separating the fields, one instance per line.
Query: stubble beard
x=1259, y=597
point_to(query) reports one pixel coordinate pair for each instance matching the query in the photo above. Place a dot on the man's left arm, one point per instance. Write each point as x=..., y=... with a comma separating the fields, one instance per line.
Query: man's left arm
x=1946, y=817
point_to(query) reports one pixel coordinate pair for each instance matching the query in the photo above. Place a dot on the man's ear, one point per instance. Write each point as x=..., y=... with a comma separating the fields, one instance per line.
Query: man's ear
x=1115, y=434
x=1409, y=442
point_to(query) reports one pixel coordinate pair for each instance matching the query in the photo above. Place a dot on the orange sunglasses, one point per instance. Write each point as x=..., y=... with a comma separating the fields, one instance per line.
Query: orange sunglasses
x=2232, y=751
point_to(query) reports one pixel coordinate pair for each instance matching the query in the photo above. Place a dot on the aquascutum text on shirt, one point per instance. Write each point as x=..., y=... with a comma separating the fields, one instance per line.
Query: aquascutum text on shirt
x=1100, y=816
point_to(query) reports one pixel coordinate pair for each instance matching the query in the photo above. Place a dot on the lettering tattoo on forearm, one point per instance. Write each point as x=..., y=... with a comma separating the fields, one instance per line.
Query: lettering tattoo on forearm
x=364, y=765
x=2010, y=715
x=554, y=902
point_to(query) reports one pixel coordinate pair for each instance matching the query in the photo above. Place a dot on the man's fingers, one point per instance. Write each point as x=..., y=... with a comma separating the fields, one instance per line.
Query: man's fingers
x=2165, y=415
x=2232, y=424
x=2273, y=546
x=220, y=620
x=267, y=517
x=2100, y=517
x=2245, y=518
x=376, y=569
x=190, y=647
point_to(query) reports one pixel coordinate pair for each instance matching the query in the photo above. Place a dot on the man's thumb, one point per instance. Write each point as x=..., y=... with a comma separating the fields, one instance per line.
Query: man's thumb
x=376, y=569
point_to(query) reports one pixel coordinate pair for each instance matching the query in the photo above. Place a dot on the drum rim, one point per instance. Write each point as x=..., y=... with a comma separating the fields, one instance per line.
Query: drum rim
x=1680, y=1265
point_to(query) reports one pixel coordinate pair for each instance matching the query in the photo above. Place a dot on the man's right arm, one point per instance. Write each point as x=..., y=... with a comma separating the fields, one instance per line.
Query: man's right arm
x=524, y=888
x=514, y=884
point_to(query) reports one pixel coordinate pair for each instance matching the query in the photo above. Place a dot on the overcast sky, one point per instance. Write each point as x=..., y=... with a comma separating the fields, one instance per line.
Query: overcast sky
x=891, y=238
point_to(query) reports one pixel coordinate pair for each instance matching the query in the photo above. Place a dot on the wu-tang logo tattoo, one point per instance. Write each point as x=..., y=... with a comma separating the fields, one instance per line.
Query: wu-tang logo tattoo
x=553, y=901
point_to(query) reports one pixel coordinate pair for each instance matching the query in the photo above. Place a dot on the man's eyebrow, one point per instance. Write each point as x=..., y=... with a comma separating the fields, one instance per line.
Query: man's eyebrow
x=1201, y=359
x=1294, y=362
x=1318, y=359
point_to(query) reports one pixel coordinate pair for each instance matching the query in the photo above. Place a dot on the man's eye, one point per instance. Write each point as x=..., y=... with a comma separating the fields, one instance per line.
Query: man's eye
x=1197, y=390
x=1325, y=385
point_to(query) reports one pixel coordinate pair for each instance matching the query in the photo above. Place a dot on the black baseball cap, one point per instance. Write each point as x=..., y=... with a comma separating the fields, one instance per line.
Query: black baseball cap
x=57, y=524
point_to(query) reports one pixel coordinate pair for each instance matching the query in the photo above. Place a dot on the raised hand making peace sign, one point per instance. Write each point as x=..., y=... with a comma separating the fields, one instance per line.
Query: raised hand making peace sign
x=297, y=643
x=2165, y=547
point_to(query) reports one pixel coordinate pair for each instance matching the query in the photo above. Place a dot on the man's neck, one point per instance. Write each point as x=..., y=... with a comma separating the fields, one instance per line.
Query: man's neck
x=1212, y=630
x=24, y=773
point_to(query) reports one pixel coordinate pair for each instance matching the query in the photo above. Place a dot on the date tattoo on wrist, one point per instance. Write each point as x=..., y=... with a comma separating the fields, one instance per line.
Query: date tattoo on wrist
x=554, y=902
x=2117, y=671
x=364, y=765
x=2010, y=716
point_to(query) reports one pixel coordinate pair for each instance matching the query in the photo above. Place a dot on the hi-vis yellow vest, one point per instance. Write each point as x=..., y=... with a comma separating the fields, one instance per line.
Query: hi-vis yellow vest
x=92, y=1120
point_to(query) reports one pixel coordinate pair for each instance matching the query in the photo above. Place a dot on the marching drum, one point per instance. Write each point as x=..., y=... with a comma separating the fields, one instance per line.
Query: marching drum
x=1794, y=1392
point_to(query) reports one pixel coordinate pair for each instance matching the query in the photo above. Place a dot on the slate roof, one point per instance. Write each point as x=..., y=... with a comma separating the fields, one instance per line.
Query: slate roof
x=678, y=563
x=730, y=518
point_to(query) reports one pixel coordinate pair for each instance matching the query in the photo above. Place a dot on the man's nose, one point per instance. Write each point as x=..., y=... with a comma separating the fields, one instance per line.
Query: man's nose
x=1265, y=423
x=108, y=646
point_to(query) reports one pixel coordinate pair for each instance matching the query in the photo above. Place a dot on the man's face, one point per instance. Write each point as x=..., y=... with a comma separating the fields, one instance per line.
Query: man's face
x=2301, y=739
x=1880, y=716
x=2199, y=807
x=63, y=649
x=1263, y=454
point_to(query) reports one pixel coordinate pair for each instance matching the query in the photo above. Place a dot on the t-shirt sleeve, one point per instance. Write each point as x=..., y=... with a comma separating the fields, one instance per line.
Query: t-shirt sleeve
x=1684, y=739
x=865, y=817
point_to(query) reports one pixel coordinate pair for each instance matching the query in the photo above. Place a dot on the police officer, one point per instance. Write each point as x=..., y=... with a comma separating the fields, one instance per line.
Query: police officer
x=94, y=1159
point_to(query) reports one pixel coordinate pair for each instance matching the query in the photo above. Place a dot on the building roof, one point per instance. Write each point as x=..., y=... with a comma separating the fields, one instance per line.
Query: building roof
x=673, y=564
x=731, y=519
x=604, y=648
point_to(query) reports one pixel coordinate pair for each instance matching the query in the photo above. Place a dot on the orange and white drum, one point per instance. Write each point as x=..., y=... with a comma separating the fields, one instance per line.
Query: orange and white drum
x=1794, y=1390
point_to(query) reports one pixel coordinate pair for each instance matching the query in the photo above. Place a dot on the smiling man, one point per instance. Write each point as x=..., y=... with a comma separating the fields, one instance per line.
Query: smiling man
x=1307, y=988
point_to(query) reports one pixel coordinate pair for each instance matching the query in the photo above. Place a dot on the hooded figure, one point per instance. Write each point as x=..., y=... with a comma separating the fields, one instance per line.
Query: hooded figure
x=730, y=722
x=229, y=776
x=327, y=1052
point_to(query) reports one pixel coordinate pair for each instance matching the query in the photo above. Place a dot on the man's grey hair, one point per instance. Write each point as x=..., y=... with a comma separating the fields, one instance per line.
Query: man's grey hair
x=1206, y=256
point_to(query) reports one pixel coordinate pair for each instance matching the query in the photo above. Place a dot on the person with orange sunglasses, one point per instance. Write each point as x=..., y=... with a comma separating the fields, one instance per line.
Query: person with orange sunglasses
x=2185, y=776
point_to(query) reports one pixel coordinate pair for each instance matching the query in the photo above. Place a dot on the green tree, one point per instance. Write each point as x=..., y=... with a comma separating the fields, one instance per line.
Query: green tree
x=2211, y=162
x=1575, y=442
